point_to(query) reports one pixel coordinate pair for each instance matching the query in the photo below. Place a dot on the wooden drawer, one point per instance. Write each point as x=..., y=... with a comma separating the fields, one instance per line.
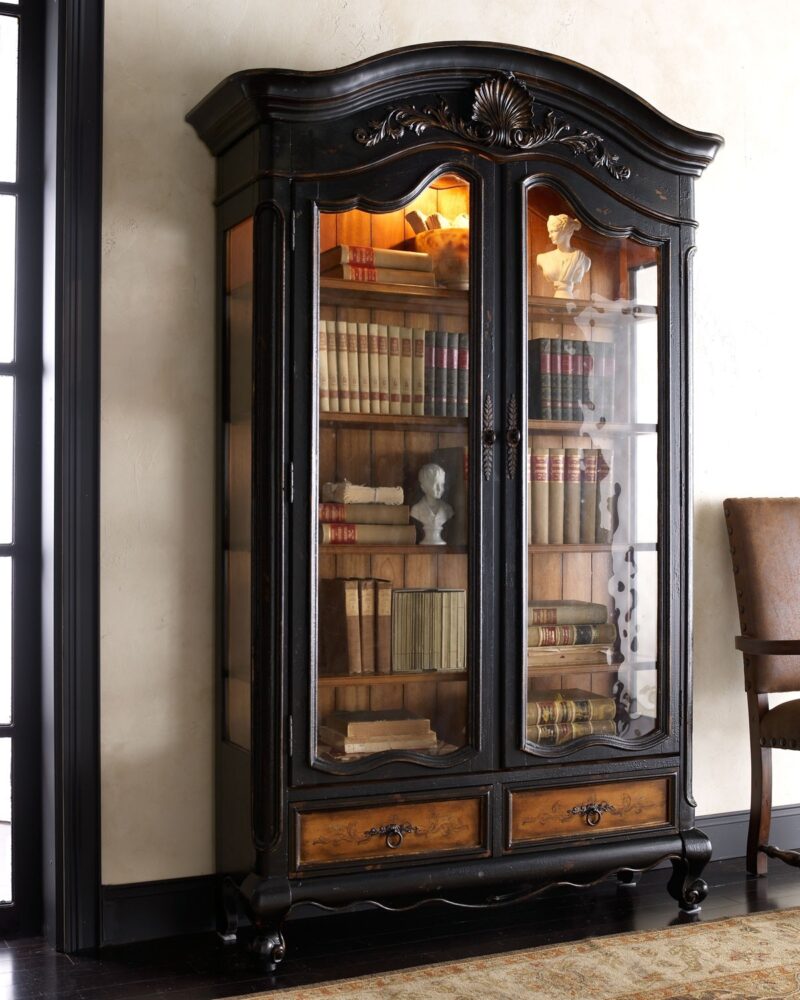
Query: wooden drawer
x=587, y=810
x=402, y=829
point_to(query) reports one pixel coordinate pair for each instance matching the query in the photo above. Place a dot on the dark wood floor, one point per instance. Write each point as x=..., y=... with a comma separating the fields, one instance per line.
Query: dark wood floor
x=321, y=948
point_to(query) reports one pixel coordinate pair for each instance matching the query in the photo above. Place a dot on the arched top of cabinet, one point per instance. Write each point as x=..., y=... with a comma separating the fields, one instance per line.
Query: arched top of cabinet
x=431, y=90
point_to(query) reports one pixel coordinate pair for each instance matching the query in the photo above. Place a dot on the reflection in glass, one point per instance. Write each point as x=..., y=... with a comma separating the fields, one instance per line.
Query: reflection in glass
x=8, y=244
x=5, y=820
x=9, y=40
x=6, y=457
x=5, y=639
x=393, y=380
x=592, y=498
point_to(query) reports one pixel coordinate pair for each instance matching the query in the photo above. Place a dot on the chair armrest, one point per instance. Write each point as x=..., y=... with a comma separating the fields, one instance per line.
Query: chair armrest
x=767, y=647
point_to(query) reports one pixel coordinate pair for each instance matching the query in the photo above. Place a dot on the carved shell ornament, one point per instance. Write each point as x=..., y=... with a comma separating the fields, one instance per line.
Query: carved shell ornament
x=503, y=114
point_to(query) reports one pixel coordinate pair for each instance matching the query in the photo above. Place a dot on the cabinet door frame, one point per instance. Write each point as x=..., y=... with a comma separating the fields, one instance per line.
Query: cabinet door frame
x=389, y=186
x=609, y=216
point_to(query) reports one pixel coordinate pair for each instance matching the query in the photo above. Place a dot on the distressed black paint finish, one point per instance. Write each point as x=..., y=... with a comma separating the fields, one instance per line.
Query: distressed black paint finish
x=291, y=144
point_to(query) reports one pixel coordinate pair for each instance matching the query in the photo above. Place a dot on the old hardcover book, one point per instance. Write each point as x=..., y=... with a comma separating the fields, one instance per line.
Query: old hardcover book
x=553, y=657
x=566, y=613
x=606, y=499
x=406, y=370
x=440, y=375
x=406, y=260
x=571, y=635
x=383, y=366
x=324, y=390
x=563, y=732
x=347, y=492
x=462, y=389
x=353, y=377
x=363, y=513
x=555, y=532
x=363, y=367
x=383, y=626
x=418, y=372
x=543, y=362
x=366, y=598
x=587, y=403
x=339, y=627
x=572, y=496
x=368, y=534
x=451, y=380
x=374, y=364
x=343, y=366
x=395, y=392
x=367, y=723
x=430, y=373
x=556, y=352
x=455, y=462
x=589, y=496
x=541, y=495
x=569, y=705
x=573, y=363
x=376, y=744
x=333, y=366
x=381, y=275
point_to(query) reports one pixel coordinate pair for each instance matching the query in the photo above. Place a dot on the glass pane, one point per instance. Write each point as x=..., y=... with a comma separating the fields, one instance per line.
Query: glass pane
x=393, y=662
x=592, y=499
x=238, y=437
x=5, y=639
x=9, y=38
x=6, y=456
x=5, y=820
x=8, y=257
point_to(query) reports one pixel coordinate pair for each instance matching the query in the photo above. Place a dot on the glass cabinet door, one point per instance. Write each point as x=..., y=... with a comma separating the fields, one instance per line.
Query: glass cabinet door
x=591, y=600
x=391, y=485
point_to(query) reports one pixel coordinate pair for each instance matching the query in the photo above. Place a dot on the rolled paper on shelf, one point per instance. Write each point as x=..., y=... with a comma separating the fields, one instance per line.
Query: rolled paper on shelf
x=346, y=492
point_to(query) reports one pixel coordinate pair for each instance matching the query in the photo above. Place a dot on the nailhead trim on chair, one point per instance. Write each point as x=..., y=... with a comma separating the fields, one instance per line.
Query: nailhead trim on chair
x=779, y=744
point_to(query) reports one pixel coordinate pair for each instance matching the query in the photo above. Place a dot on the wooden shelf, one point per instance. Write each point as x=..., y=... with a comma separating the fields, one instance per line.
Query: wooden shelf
x=599, y=667
x=588, y=428
x=426, y=677
x=396, y=550
x=541, y=308
x=371, y=295
x=393, y=422
x=595, y=547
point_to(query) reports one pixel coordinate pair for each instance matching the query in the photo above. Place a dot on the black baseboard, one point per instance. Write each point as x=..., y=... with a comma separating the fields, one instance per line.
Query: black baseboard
x=145, y=911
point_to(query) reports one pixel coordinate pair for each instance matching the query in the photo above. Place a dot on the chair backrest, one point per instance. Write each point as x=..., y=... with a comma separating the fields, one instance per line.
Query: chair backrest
x=764, y=535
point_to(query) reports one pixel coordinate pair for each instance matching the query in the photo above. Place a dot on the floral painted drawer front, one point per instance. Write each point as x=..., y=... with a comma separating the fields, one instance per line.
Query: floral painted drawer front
x=390, y=831
x=543, y=814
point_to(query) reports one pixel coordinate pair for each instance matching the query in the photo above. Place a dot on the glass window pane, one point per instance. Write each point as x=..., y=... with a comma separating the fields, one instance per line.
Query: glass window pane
x=5, y=820
x=9, y=38
x=5, y=639
x=8, y=256
x=6, y=456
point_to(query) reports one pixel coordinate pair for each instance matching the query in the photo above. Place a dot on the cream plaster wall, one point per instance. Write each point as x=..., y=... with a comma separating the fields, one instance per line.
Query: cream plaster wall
x=720, y=65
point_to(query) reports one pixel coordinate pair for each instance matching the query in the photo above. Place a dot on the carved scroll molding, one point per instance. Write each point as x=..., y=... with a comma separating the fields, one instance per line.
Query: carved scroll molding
x=504, y=113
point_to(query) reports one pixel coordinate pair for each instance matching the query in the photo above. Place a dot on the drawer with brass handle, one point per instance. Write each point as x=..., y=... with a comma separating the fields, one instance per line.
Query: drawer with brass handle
x=388, y=831
x=581, y=810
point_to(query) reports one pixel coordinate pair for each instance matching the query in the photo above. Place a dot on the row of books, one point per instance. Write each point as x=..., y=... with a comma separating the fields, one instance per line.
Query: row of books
x=402, y=370
x=571, y=497
x=371, y=731
x=571, y=379
x=569, y=632
x=557, y=717
x=377, y=265
x=367, y=627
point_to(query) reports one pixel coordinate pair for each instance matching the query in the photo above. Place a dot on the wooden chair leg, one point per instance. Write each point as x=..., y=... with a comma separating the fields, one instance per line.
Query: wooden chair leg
x=760, y=799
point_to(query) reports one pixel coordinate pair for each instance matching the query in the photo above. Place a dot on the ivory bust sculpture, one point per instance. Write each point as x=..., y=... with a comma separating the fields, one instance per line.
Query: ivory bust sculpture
x=431, y=511
x=563, y=266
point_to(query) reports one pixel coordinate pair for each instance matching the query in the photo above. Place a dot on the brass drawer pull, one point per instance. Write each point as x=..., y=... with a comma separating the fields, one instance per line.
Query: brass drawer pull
x=394, y=833
x=592, y=811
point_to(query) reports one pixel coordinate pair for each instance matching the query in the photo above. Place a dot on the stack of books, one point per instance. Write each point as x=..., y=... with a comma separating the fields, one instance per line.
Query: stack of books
x=366, y=524
x=378, y=368
x=377, y=265
x=571, y=379
x=374, y=731
x=567, y=633
x=354, y=617
x=556, y=717
x=571, y=496
x=429, y=630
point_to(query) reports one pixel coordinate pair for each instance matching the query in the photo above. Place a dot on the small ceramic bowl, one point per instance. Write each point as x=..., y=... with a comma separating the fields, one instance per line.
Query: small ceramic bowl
x=449, y=250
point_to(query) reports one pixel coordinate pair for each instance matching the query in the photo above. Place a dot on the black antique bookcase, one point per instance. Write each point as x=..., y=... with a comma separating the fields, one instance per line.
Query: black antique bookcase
x=454, y=533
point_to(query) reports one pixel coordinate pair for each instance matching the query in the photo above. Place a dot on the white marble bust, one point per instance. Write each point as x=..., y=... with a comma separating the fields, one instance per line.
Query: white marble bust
x=563, y=266
x=431, y=511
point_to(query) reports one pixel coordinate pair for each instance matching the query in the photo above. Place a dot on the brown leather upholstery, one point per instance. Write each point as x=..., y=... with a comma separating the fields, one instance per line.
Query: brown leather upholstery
x=780, y=727
x=764, y=537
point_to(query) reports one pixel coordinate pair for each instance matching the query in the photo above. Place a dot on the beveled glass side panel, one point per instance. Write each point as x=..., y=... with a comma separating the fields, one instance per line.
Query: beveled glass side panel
x=591, y=613
x=393, y=663
x=238, y=477
x=9, y=62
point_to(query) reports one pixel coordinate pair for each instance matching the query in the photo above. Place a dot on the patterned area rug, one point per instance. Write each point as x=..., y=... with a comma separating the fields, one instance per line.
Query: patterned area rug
x=743, y=958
